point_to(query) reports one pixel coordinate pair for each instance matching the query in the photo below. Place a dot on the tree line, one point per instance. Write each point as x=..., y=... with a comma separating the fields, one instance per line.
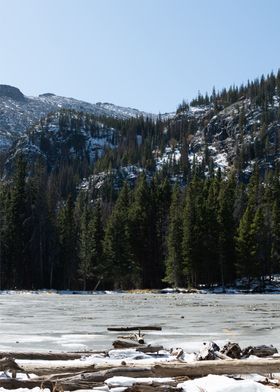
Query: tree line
x=155, y=234
x=261, y=91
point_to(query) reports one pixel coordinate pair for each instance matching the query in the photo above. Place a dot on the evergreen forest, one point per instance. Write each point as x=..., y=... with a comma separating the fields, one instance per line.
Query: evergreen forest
x=188, y=224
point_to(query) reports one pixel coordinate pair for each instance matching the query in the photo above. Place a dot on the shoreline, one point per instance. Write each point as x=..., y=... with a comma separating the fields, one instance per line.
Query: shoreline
x=166, y=291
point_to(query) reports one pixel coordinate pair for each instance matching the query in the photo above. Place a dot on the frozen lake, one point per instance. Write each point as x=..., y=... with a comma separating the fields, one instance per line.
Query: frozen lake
x=79, y=322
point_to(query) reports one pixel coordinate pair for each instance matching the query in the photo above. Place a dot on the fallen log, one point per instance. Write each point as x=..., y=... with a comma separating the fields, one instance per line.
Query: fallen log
x=46, y=369
x=102, y=375
x=136, y=328
x=48, y=356
x=149, y=349
x=154, y=387
x=259, y=351
x=11, y=383
x=9, y=364
x=93, y=378
x=232, y=350
x=125, y=343
x=208, y=351
x=193, y=369
x=136, y=337
x=201, y=368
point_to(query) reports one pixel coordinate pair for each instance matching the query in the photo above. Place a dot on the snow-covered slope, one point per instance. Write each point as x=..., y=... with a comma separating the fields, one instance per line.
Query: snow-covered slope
x=19, y=112
x=61, y=137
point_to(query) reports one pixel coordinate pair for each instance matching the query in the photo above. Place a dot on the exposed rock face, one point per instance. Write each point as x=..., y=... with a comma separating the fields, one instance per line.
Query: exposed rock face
x=18, y=112
x=11, y=92
x=47, y=95
x=61, y=137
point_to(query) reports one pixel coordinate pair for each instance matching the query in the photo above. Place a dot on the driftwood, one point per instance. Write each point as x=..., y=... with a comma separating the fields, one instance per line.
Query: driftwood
x=192, y=369
x=53, y=386
x=208, y=351
x=259, y=351
x=178, y=353
x=149, y=349
x=46, y=369
x=232, y=350
x=154, y=387
x=136, y=337
x=201, y=368
x=48, y=356
x=9, y=364
x=102, y=375
x=95, y=378
x=136, y=328
x=125, y=343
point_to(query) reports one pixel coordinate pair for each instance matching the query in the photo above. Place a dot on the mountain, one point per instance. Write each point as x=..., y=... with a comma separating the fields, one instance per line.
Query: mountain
x=235, y=128
x=19, y=112
x=103, y=196
x=62, y=136
x=235, y=136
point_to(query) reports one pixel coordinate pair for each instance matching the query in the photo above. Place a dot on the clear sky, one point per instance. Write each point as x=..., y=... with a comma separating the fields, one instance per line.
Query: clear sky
x=148, y=54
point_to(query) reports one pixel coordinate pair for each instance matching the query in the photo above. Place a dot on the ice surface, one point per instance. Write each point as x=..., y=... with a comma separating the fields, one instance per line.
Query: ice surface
x=48, y=321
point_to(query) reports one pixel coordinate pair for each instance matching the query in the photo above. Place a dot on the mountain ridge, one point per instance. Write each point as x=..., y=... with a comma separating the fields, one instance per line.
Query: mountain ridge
x=19, y=112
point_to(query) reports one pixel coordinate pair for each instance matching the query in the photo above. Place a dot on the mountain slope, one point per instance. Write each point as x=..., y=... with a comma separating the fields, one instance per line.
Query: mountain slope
x=63, y=137
x=19, y=112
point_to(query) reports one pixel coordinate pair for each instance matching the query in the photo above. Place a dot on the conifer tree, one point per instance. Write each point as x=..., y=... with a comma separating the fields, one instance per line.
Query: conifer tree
x=193, y=233
x=258, y=253
x=211, y=230
x=275, y=231
x=97, y=236
x=245, y=246
x=68, y=246
x=141, y=226
x=15, y=251
x=37, y=228
x=85, y=254
x=160, y=203
x=226, y=223
x=121, y=270
x=174, y=262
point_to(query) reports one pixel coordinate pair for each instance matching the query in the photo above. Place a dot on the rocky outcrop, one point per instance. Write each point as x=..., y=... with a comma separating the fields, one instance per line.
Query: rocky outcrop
x=11, y=92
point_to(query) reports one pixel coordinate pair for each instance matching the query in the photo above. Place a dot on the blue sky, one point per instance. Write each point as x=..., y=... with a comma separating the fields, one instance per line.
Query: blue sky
x=148, y=54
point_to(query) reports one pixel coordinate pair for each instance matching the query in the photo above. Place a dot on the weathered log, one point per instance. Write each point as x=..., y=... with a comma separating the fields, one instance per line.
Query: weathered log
x=207, y=352
x=51, y=368
x=9, y=364
x=220, y=355
x=122, y=343
x=102, y=375
x=48, y=356
x=154, y=387
x=259, y=351
x=232, y=350
x=193, y=369
x=149, y=349
x=136, y=337
x=125, y=343
x=234, y=366
x=11, y=383
x=178, y=353
x=136, y=328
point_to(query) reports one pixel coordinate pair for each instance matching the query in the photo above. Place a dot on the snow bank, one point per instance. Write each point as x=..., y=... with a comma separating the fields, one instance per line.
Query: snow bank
x=213, y=383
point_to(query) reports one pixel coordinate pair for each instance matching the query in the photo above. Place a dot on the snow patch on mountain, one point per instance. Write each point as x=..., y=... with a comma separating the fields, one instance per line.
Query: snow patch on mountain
x=61, y=136
x=19, y=112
